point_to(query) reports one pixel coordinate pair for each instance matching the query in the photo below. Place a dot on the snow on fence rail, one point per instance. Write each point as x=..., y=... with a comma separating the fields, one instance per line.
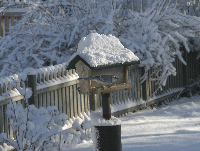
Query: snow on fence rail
x=57, y=86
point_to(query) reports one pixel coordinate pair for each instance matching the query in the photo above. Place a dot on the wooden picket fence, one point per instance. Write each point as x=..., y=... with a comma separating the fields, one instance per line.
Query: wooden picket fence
x=51, y=86
x=147, y=93
x=56, y=86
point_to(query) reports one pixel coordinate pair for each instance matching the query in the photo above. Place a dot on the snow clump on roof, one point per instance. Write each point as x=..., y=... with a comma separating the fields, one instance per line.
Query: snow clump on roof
x=98, y=50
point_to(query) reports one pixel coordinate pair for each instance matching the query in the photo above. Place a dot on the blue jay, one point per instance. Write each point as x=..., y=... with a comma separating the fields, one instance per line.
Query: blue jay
x=102, y=79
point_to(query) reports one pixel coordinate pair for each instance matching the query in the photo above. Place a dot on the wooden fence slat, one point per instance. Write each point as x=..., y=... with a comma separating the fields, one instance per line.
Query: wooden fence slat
x=133, y=85
x=1, y=26
x=56, y=98
x=54, y=74
x=44, y=104
x=10, y=129
x=82, y=104
x=4, y=88
x=64, y=101
x=114, y=98
x=78, y=104
x=48, y=99
x=60, y=100
x=149, y=87
x=129, y=91
x=86, y=104
x=62, y=72
x=68, y=101
x=1, y=119
x=39, y=102
x=58, y=73
x=138, y=84
x=71, y=101
x=117, y=97
x=126, y=95
x=47, y=76
x=75, y=101
x=52, y=98
x=123, y=96
x=50, y=75
x=144, y=86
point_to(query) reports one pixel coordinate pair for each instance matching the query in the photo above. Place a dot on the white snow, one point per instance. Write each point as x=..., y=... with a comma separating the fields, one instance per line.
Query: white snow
x=98, y=120
x=57, y=81
x=173, y=127
x=98, y=50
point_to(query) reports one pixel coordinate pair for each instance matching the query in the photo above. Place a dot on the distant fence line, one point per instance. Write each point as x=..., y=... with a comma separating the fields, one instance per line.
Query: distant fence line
x=9, y=19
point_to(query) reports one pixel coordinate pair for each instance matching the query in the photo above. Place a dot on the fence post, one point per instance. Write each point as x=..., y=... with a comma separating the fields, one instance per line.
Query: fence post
x=93, y=102
x=33, y=85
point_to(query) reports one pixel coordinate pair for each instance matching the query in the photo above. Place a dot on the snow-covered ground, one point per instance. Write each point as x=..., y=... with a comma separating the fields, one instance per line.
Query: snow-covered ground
x=173, y=127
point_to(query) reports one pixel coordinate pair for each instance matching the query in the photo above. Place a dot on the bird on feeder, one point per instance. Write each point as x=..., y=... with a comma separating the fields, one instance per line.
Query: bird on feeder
x=103, y=80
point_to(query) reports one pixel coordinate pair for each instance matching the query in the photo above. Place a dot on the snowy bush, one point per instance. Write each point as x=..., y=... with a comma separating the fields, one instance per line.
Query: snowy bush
x=33, y=128
x=41, y=129
x=37, y=129
x=84, y=127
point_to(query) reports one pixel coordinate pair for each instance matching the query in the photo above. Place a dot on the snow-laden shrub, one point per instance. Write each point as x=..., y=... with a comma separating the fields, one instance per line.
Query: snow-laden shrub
x=41, y=129
x=81, y=132
x=84, y=127
x=38, y=129
x=5, y=147
x=33, y=128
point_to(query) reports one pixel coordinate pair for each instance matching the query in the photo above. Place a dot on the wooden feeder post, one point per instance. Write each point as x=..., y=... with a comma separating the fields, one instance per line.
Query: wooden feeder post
x=109, y=136
x=106, y=106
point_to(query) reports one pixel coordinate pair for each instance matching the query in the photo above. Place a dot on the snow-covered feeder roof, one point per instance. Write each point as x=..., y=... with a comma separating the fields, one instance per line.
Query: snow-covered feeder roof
x=100, y=51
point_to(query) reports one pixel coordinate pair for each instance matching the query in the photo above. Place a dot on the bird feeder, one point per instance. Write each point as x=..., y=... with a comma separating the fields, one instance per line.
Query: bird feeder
x=105, y=55
x=84, y=70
